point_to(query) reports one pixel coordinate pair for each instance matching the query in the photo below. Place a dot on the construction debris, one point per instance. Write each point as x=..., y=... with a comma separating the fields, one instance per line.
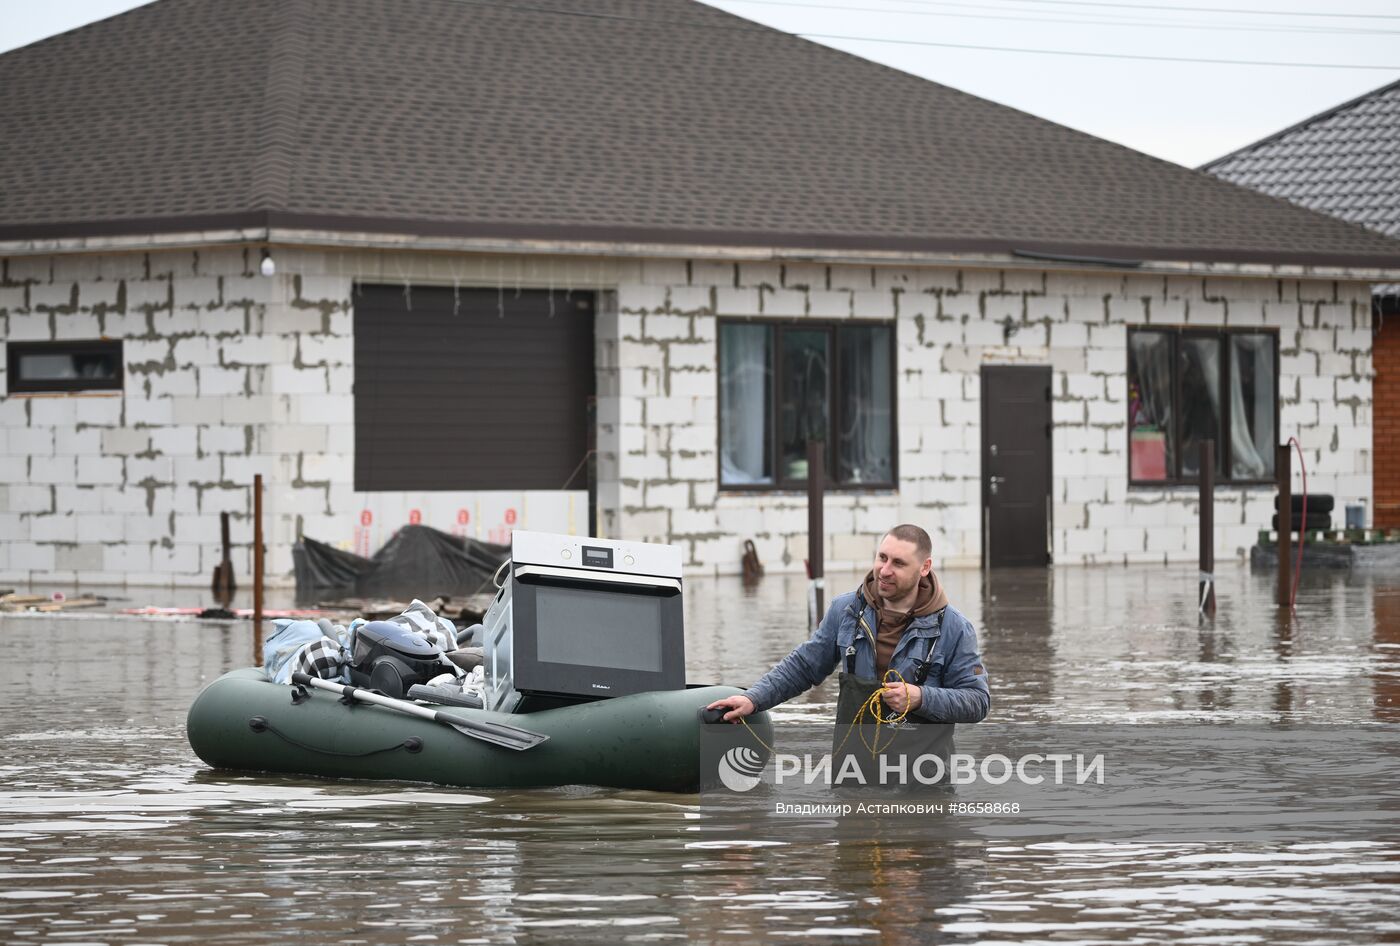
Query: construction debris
x=11, y=602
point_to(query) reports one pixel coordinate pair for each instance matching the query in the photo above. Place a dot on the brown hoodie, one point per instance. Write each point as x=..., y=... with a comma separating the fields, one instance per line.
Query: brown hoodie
x=931, y=598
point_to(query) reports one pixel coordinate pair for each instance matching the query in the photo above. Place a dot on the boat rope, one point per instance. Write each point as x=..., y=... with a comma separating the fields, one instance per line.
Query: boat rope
x=874, y=708
x=260, y=724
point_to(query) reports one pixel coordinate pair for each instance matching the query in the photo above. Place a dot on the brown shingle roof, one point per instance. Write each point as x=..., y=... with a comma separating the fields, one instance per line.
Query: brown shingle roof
x=645, y=120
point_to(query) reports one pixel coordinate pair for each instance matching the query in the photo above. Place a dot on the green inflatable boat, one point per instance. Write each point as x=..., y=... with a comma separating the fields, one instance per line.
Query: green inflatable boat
x=648, y=741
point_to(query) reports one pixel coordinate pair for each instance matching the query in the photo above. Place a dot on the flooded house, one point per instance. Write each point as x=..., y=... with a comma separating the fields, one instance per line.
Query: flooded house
x=1345, y=161
x=488, y=266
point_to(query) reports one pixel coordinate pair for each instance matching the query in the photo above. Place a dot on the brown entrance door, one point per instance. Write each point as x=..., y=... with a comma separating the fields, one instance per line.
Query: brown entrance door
x=1015, y=465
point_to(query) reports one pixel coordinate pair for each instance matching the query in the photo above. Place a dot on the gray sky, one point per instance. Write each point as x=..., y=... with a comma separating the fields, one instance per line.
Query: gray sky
x=1187, y=112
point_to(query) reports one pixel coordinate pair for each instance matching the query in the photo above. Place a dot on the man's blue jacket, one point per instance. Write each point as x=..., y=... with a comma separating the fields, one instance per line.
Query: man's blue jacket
x=956, y=689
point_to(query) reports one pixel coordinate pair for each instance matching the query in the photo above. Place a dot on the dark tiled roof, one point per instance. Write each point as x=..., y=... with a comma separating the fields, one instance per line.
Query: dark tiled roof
x=643, y=120
x=1344, y=162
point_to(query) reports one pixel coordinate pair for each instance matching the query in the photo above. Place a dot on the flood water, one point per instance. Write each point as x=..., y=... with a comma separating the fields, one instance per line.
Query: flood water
x=112, y=831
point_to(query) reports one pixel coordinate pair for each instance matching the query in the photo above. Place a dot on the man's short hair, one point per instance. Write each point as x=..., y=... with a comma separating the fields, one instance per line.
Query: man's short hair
x=911, y=533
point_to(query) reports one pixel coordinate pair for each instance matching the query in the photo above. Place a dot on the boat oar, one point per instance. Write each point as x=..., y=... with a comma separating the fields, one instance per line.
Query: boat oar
x=510, y=737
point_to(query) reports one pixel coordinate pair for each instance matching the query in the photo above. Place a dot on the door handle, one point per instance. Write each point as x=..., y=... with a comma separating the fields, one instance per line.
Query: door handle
x=993, y=482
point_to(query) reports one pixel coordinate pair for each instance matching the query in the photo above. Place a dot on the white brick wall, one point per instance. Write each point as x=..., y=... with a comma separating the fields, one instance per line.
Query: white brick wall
x=949, y=324
x=231, y=373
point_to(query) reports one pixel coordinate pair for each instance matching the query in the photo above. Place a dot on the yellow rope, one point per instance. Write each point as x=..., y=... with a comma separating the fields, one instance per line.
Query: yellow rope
x=874, y=707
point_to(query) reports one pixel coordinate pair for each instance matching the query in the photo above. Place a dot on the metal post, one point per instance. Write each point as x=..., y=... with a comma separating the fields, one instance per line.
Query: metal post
x=257, y=569
x=816, y=529
x=1283, y=469
x=1207, y=527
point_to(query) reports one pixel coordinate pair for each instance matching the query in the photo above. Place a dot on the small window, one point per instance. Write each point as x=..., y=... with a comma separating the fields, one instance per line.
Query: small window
x=1186, y=386
x=783, y=384
x=94, y=365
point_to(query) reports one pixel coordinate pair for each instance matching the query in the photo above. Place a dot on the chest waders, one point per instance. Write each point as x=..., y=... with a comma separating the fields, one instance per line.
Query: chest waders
x=860, y=743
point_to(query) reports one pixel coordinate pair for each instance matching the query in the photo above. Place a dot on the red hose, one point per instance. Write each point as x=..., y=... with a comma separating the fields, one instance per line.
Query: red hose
x=1302, y=526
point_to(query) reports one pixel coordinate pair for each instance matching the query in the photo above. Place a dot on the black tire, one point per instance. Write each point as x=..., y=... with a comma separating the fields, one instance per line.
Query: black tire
x=1317, y=503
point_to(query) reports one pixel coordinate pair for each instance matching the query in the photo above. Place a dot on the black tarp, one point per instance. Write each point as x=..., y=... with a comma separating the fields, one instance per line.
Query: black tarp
x=418, y=562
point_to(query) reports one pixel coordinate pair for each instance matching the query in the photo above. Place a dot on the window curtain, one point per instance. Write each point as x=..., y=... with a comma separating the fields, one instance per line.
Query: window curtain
x=745, y=360
x=1253, y=390
x=1150, y=405
x=1200, y=401
x=863, y=446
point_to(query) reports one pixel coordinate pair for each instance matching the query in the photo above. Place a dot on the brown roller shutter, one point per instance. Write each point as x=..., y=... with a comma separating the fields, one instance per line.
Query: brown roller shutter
x=471, y=389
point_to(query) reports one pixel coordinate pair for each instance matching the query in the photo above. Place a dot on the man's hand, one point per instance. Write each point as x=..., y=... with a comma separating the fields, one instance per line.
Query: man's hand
x=738, y=707
x=903, y=697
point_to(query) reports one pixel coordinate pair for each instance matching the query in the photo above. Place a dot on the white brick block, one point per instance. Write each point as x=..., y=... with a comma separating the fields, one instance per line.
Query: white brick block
x=709, y=273
x=855, y=277
x=287, y=379
x=53, y=296
x=982, y=333
x=784, y=302
x=60, y=527
x=804, y=276
x=196, y=411
x=1122, y=311
x=699, y=383
x=670, y=410
x=14, y=299
x=53, y=470
x=30, y=498
x=641, y=299
x=175, y=441
x=1083, y=542
x=224, y=439
x=737, y=301
x=149, y=412
x=1106, y=361
x=28, y=556
x=686, y=299
x=195, y=350
x=150, y=470
x=147, y=294
x=215, y=381
x=76, y=325
x=30, y=327
x=262, y=349
x=73, y=441
x=188, y=470
x=664, y=272
x=760, y=274
x=665, y=327
x=320, y=409
x=127, y=557
x=1317, y=389
x=31, y=441
x=1250, y=313
x=172, y=383
x=872, y=304
x=833, y=304
x=197, y=292
x=696, y=356
x=332, y=289
x=14, y=469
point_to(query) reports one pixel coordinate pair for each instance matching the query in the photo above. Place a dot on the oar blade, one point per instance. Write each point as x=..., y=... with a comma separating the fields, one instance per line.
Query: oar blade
x=507, y=737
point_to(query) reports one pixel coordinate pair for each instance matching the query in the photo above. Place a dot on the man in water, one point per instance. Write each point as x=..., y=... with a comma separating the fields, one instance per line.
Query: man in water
x=896, y=635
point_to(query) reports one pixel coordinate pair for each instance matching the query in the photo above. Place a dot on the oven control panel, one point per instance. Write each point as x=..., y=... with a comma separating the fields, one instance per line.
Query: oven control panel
x=584, y=552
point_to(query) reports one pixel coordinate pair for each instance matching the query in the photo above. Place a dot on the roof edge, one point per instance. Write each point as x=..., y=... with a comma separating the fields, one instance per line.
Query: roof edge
x=269, y=226
x=1320, y=116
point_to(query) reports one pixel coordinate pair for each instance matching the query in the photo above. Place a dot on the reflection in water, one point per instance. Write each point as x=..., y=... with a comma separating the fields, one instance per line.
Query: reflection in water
x=111, y=831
